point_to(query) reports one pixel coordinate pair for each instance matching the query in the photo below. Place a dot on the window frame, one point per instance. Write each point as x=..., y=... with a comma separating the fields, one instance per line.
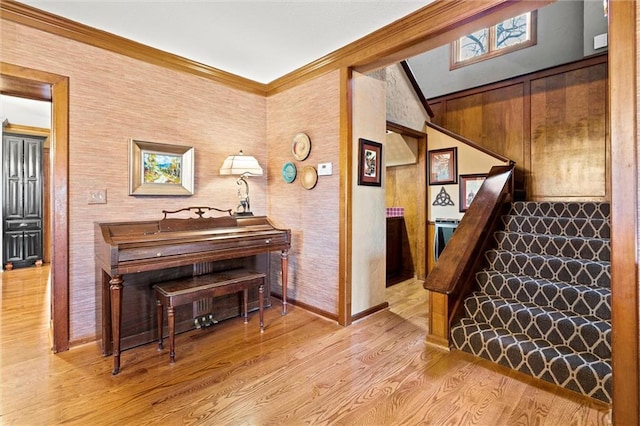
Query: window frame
x=492, y=51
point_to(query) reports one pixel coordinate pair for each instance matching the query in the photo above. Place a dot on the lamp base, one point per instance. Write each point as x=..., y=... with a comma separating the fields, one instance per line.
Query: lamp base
x=243, y=214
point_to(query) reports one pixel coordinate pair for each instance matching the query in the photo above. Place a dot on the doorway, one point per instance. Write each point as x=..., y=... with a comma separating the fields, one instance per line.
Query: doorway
x=39, y=85
x=25, y=196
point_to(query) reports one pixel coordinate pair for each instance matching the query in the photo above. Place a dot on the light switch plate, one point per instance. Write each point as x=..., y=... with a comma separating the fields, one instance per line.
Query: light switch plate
x=325, y=169
x=600, y=41
x=97, y=196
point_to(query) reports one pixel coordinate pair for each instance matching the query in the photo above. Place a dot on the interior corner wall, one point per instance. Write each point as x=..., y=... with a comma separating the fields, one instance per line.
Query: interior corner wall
x=311, y=214
x=114, y=98
x=403, y=105
x=368, y=268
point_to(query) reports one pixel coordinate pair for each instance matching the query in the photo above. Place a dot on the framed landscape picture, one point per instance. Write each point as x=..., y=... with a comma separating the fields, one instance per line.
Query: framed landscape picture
x=160, y=169
x=443, y=166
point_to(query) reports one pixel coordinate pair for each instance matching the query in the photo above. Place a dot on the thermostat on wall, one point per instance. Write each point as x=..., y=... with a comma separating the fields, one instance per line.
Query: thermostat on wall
x=325, y=169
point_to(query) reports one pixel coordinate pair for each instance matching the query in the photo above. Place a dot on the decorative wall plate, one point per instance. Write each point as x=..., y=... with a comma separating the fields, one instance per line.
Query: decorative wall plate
x=308, y=177
x=301, y=146
x=289, y=172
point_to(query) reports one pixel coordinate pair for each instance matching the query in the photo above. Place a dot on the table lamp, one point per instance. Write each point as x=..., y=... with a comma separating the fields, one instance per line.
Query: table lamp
x=243, y=166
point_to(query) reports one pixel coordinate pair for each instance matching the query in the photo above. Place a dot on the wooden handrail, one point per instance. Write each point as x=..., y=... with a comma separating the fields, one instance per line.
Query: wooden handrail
x=468, y=142
x=454, y=272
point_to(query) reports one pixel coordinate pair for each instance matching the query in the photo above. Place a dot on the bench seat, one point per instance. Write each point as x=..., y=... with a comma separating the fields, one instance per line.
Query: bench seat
x=191, y=289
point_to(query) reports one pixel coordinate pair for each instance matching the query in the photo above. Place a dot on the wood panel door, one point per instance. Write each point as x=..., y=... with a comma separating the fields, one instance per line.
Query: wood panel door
x=22, y=200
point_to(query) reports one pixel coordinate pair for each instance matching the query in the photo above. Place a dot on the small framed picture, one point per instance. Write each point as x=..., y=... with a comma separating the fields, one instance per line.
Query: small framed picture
x=370, y=163
x=160, y=169
x=469, y=187
x=443, y=166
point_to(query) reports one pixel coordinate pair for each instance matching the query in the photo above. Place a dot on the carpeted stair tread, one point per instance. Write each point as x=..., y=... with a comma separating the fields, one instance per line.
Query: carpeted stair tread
x=568, y=227
x=543, y=305
x=555, y=245
x=583, y=210
x=572, y=271
x=565, y=328
x=580, y=299
x=582, y=372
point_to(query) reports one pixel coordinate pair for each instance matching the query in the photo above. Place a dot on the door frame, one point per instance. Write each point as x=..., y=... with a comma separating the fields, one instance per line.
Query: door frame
x=40, y=85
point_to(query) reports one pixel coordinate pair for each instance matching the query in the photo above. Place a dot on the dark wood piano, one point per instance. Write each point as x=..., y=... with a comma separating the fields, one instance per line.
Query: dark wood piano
x=138, y=254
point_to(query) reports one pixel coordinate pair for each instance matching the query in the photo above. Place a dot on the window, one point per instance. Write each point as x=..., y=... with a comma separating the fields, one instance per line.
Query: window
x=509, y=35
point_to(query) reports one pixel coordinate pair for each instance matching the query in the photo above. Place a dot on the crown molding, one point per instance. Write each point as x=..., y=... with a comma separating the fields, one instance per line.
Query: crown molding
x=53, y=24
x=429, y=27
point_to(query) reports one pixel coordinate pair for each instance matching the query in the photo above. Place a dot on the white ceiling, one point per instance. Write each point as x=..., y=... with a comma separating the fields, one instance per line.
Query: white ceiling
x=261, y=40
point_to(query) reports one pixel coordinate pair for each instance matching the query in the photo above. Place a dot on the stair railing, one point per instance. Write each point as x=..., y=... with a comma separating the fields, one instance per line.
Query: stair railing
x=452, y=278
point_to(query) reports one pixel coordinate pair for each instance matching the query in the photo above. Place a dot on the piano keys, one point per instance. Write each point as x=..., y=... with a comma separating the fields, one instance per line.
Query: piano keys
x=160, y=248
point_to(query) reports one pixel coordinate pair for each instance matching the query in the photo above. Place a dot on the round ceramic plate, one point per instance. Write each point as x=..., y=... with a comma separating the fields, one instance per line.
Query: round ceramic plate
x=308, y=177
x=301, y=146
x=289, y=172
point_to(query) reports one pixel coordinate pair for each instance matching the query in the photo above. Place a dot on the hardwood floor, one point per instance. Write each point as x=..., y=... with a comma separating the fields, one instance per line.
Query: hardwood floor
x=304, y=369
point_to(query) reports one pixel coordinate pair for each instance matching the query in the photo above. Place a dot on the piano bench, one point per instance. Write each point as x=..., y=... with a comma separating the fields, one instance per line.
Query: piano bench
x=191, y=289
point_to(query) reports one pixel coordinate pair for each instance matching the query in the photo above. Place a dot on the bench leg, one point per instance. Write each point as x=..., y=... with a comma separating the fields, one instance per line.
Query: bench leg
x=245, y=304
x=171, y=319
x=261, y=298
x=159, y=314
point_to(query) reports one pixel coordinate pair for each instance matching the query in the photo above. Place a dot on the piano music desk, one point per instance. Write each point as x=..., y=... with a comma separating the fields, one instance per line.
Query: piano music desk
x=191, y=289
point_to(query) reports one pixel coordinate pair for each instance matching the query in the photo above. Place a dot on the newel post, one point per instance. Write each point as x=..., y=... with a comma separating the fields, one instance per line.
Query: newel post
x=438, y=320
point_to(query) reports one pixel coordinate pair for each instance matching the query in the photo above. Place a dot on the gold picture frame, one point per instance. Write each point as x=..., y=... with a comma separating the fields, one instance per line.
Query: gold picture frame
x=160, y=169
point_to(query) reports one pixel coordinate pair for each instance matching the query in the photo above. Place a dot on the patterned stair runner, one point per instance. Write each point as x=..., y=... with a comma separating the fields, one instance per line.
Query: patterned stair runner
x=543, y=305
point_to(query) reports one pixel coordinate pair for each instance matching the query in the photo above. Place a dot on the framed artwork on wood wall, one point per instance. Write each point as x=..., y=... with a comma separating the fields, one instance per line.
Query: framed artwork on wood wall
x=443, y=166
x=369, y=163
x=469, y=187
x=160, y=169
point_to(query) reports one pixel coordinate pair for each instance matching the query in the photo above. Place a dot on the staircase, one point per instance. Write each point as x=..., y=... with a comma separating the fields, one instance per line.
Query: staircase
x=544, y=302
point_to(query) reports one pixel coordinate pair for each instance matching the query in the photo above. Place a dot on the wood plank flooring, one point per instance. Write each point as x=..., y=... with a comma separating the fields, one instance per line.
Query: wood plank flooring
x=304, y=369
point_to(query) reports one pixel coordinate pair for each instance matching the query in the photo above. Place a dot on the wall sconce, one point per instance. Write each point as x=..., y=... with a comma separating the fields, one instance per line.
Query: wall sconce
x=243, y=166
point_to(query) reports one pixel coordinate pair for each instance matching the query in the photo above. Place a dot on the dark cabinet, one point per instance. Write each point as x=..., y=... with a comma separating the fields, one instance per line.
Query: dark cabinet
x=395, y=226
x=22, y=199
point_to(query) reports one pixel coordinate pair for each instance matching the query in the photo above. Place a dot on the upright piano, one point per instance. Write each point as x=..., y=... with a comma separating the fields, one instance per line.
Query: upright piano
x=191, y=244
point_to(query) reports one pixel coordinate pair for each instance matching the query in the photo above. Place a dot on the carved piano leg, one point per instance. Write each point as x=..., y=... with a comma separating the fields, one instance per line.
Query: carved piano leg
x=115, y=288
x=159, y=315
x=171, y=319
x=284, y=265
x=245, y=305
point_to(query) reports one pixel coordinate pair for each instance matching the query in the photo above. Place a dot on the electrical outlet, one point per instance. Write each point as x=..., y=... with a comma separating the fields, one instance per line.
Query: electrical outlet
x=97, y=196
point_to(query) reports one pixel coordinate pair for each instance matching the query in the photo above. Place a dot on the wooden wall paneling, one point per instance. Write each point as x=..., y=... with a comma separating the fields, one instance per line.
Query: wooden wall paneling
x=568, y=149
x=438, y=109
x=464, y=116
x=551, y=123
x=399, y=189
x=503, y=124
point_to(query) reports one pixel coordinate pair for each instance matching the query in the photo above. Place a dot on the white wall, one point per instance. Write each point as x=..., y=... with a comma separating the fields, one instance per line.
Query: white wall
x=369, y=230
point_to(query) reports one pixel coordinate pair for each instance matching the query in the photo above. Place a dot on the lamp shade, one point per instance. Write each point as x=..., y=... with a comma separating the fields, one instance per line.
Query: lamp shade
x=241, y=164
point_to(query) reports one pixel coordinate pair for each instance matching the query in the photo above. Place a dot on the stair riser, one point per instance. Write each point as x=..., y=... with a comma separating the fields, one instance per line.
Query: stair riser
x=581, y=300
x=573, y=247
x=536, y=358
x=573, y=331
x=571, y=271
